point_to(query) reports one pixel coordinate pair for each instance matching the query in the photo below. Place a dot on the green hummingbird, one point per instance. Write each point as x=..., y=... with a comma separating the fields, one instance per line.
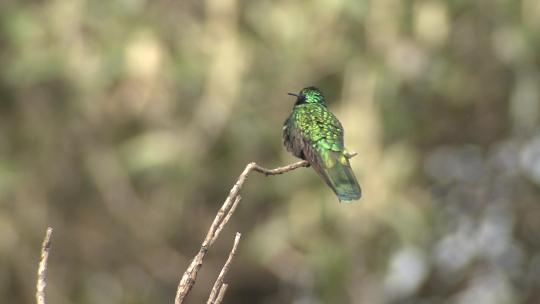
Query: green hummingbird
x=314, y=134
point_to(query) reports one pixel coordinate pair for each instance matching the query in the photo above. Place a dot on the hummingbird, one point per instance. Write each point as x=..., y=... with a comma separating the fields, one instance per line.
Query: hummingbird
x=314, y=134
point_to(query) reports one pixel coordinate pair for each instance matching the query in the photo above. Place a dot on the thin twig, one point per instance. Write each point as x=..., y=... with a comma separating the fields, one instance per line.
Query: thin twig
x=222, y=217
x=219, y=285
x=279, y=170
x=350, y=154
x=221, y=293
x=226, y=219
x=42, y=269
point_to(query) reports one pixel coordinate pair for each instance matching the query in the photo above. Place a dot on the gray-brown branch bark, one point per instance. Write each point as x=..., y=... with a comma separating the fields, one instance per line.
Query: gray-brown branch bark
x=42, y=269
x=218, y=291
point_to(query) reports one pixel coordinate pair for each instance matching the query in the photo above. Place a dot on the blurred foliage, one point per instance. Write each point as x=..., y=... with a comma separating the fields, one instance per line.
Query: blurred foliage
x=123, y=124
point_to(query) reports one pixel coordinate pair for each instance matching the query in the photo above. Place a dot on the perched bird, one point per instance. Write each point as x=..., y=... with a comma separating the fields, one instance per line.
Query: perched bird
x=314, y=134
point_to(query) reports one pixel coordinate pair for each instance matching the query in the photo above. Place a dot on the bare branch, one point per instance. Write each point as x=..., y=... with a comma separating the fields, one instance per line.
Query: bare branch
x=42, y=269
x=222, y=217
x=219, y=286
x=279, y=170
x=226, y=219
x=221, y=293
x=350, y=154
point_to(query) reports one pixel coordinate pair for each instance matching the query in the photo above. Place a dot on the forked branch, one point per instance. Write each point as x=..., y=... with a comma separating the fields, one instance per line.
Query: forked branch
x=218, y=291
x=224, y=214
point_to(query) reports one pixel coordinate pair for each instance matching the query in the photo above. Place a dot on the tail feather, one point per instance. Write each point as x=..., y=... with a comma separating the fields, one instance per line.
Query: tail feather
x=337, y=173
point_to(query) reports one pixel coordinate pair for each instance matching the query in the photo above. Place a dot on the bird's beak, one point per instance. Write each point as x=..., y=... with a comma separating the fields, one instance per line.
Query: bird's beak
x=292, y=94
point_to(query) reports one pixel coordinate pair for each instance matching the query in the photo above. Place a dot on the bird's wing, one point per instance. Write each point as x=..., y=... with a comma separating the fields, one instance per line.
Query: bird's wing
x=322, y=146
x=308, y=137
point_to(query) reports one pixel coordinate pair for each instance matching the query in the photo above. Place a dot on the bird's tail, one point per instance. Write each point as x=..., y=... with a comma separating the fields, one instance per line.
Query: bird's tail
x=337, y=173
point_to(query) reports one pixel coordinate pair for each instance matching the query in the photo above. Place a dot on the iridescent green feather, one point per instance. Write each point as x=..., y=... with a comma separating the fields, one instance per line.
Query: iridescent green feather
x=313, y=133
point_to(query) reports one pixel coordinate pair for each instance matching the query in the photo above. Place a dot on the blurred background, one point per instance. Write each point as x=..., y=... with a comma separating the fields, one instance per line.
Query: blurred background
x=123, y=125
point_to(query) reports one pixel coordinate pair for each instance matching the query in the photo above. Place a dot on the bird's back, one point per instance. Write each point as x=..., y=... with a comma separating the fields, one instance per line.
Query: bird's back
x=313, y=133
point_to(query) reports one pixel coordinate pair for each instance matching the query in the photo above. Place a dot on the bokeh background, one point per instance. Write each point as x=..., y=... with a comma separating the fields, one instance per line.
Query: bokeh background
x=124, y=123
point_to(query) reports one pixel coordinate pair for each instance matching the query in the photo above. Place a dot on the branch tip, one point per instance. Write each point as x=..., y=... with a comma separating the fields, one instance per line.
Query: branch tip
x=42, y=268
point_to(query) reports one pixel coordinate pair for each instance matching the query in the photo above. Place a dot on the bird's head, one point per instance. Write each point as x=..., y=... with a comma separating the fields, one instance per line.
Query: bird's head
x=309, y=95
